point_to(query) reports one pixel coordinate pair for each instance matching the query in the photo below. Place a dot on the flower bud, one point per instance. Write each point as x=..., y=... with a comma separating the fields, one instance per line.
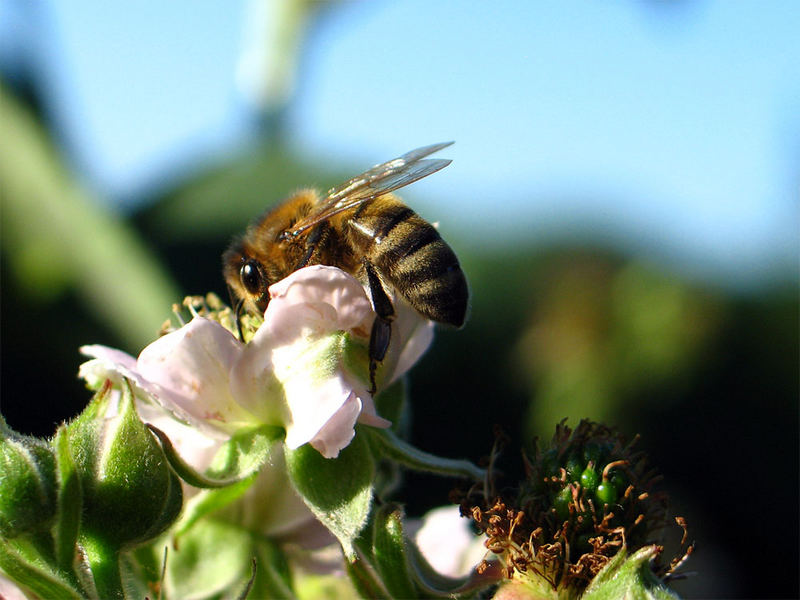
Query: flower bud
x=27, y=484
x=130, y=493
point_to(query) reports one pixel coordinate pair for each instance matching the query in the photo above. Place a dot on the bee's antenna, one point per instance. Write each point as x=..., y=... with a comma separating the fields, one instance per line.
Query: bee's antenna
x=237, y=310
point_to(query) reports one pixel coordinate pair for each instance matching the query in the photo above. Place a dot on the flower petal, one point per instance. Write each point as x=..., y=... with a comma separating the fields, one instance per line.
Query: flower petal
x=337, y=297
x=109, y=363
x=338, y=431
x=314, y=407
x=414, y=334
x=447, y=542
x=190, y=369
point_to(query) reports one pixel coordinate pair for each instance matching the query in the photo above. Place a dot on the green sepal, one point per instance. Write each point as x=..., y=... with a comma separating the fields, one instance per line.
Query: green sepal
x=389, y=552
x=337, y=490
x=70, y=503
x=387, y=445
x=28, y=486
x=248, y=586
x=209, y=501
x=629, y=577
x=239, y=458
x=28, y=570
x=363, y=578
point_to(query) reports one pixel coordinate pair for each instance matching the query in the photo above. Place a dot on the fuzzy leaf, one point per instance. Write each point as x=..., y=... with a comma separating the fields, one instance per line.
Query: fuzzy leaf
x=629, y=577
x=337, y=490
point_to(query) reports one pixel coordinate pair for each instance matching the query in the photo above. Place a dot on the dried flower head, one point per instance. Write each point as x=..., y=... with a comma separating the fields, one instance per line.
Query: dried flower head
x=584, y=498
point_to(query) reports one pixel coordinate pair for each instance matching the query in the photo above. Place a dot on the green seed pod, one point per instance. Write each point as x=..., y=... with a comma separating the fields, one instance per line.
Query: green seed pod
x=589, y=478
x=562, y=501
x=606, y=493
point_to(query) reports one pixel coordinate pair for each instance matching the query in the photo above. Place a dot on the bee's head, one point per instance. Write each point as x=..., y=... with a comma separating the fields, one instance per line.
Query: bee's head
x=248, y=278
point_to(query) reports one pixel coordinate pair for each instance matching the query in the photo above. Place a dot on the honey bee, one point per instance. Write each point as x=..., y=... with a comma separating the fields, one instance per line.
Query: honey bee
x=363, y=229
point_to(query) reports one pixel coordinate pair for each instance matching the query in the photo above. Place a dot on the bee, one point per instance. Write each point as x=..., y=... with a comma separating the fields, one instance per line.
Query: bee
x=361, y=228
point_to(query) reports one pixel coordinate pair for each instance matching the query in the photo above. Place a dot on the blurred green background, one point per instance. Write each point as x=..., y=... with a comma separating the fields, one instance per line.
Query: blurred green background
x=576, y=323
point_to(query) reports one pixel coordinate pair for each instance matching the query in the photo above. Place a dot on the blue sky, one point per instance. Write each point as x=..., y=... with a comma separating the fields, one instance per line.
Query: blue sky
x=674, y=126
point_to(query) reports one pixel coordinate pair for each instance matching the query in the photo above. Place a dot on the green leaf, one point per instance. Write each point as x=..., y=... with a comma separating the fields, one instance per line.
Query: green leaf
x=70, y=503
x=248, y=586
x=337, y=490
x=34, y=575
x=389, y=552
x=630, y=578
x=388, y=445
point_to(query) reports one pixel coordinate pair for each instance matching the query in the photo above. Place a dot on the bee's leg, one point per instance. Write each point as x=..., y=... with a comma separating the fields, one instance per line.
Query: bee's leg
x=382, y=325
x=311, y=245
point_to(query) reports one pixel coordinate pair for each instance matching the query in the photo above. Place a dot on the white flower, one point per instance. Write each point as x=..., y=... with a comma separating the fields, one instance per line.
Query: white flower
x=447, y=542
x=294, y=373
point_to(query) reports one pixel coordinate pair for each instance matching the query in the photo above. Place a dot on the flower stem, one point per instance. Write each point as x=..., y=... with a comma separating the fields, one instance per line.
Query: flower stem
x=104, y=560
x=407, y=455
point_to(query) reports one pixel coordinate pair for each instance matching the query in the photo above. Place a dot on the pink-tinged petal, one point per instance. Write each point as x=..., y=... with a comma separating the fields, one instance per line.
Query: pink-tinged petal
x=313, y=404
x=415, y=341
x=110, y=356
x=109, y=363
x=323, y=288
x=195, y=444
x=254, y=384
x=412, y=335
x=372, y=419
x=191, y=368
x=9, y=590
x=338, y=431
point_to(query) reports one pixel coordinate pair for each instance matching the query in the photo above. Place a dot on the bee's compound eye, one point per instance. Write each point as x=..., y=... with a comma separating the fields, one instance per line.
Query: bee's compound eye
x=251, y=277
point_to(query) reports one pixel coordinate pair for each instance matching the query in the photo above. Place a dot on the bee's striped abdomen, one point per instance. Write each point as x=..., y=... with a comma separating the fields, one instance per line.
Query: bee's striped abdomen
x=413, y=258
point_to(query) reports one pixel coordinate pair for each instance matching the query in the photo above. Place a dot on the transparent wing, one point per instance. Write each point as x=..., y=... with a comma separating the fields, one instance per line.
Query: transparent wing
x=377, y=181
